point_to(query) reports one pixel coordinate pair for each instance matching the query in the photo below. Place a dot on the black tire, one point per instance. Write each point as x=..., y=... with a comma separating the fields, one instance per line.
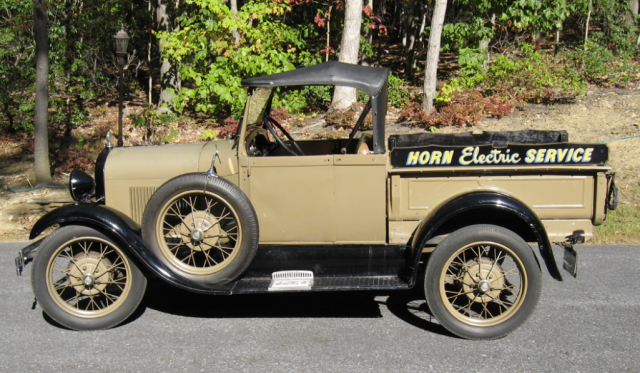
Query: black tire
x=72, y=255
x=482, y=282
x=203, y=227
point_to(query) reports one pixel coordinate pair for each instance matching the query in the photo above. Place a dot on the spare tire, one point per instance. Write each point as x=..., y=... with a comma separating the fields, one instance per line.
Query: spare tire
x=203, y=227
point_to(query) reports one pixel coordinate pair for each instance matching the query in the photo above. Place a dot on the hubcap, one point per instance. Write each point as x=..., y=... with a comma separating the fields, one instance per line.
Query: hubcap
x=484, y=286
x=483, y=280
x=197, y=235
x=88, y=280
x=194, y=225
x=89, y=273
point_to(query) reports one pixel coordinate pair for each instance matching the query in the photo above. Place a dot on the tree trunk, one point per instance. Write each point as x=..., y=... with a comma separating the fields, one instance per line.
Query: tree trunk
x=433, y=54
x=634, y=6
x=234, y=11
x=368, y=38
x=169, y=77
x=343, y=97
x=484, y=45
x=409, y=41
x=150, y=98
x=586, y=28
x=41, y=139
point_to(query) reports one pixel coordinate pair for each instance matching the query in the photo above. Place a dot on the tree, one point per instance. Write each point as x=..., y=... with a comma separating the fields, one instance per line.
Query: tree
x=41, y=140
x=367, y=36
x=343, y=97
x=433, y=54
x=412, y=25
x=169, y=76
x=214, y=64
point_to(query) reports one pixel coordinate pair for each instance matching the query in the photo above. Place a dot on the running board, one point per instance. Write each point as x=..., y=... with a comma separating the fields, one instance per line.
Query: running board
x=254, y=285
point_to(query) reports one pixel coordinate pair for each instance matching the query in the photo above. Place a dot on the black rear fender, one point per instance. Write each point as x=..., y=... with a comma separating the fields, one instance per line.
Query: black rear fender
x=124, y=232
x=482, y=208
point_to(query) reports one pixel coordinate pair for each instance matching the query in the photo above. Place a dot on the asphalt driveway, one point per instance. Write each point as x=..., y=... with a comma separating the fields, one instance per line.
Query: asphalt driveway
x=589, y=324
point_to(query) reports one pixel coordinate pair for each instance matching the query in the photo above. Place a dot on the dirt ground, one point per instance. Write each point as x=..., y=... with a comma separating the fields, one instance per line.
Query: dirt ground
x=603, y=115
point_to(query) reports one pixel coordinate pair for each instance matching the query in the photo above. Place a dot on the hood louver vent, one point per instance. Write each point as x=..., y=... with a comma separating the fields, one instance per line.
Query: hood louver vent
x=138, y=197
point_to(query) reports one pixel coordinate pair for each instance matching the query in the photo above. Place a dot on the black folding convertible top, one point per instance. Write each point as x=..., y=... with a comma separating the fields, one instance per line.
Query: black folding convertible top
x=372, y=80
x=368, y=79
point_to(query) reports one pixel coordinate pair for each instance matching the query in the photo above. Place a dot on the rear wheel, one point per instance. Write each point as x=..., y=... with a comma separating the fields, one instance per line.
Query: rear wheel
x=84, y=281
x=482, y=282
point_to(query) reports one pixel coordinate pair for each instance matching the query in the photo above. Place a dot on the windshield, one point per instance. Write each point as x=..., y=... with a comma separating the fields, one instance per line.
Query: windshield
x=257, y=107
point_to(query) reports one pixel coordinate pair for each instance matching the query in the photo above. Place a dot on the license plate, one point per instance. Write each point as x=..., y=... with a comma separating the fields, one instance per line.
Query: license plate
x=570, y=261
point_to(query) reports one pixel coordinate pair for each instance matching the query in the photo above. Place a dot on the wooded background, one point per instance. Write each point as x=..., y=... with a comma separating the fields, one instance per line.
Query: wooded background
x=452, y=61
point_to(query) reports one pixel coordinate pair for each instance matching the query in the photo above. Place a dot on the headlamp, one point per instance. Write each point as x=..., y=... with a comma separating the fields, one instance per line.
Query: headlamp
x=81, y=186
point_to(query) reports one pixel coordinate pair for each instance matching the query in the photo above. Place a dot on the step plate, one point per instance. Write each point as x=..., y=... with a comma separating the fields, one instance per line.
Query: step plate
x=347, y=283
x=291, y=281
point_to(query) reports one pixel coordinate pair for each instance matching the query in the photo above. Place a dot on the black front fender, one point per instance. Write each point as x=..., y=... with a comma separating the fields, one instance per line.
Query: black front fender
x=124, y=232
x=475, y=201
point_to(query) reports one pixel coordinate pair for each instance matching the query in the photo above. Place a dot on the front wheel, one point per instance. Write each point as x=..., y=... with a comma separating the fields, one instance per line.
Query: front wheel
x=84, y=281
x=482, y=282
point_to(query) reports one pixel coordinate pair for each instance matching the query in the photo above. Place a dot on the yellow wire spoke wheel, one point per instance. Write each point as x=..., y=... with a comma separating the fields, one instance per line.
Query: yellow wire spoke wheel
x=482, y=282
x=199, y=232
x=89, y=277
x=84, y=281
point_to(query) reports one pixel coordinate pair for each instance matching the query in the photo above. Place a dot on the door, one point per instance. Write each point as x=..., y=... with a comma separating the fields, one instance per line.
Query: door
x=325, y=199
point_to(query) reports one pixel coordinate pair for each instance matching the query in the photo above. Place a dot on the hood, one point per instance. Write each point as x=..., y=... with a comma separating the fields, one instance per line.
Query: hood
x=168, y=161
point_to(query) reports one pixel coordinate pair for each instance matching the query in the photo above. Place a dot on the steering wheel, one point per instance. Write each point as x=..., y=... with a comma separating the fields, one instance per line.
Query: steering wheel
x=271, y=125
x=257, y=142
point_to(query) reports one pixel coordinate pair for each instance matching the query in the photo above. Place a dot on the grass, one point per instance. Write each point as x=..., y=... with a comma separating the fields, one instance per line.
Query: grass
x=621, y=227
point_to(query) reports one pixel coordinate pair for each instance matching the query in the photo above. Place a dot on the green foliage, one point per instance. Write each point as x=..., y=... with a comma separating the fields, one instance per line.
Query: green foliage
x=208, y=134
x=531, y=76
x=465, y=34
x=168, y=138
x=621, y=226
x=80, y=55
x=398, y=94
x=366, y=48
x=471, y=59
x=444, y=95
x=536, y=15
x=600, y=65
x=213, y=64
x=304, y=100
x=16, y=46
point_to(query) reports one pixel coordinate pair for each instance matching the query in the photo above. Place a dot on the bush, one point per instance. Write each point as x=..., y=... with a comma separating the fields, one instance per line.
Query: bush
x=398, y=94
x=533, y=76
x=463, y=108
x=601, y=66
x=309, y=99
x=347, y=118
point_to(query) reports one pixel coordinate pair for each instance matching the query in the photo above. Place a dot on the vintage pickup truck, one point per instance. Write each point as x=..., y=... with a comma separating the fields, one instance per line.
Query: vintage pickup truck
x=263, y=212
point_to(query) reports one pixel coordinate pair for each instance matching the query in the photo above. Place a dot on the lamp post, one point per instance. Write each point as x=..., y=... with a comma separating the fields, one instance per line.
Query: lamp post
x=122, y=39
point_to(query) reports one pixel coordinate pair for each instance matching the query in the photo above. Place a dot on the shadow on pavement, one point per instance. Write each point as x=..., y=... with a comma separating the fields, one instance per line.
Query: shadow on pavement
x=168, y=299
